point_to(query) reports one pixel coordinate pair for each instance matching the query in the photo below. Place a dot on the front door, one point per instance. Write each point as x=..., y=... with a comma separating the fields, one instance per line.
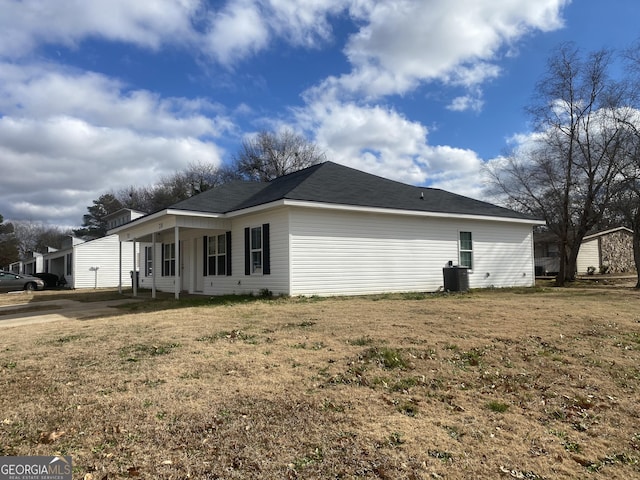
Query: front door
x=184, y=267
x=198, y=277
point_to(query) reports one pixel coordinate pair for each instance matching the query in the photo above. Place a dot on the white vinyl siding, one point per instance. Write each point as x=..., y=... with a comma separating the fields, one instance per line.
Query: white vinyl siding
x=95, y=263
x=236, y=283
x=277, y=281
x=588, y=256
x=344, y=253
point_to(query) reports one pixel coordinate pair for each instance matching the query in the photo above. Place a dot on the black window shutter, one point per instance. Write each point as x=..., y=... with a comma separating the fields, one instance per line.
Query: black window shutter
x=266, y=256
x=247, y=251
x=205, y=256
x=162, y=259
x=228, y=242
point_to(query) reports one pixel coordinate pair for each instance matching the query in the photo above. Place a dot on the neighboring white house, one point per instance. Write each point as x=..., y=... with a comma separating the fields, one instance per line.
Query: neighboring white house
x=31, y=263
x=329, y=230
x=91, y=264
x=99, y=263
x=610, y=251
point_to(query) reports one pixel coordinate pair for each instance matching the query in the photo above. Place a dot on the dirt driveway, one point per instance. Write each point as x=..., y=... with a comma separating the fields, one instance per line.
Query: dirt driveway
x=53, y=310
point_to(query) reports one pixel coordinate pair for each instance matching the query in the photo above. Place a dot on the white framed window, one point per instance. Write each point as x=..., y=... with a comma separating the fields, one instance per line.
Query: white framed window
x=256, y=250
x=217, y=255
x=465, y=247
x=168, y=260
x=148, y=261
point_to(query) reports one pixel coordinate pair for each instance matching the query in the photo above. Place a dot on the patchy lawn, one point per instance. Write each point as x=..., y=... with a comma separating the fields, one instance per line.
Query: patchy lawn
x=533, y=384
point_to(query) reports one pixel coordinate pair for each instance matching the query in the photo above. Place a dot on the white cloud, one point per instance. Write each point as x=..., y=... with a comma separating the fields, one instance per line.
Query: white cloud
x=54, y=168
x=472, y=101
x=237, y=32
x=404, y=43
x=68, y=136
x=382, y=141
x=47, y=90
x=243, y=28
x=27, y=24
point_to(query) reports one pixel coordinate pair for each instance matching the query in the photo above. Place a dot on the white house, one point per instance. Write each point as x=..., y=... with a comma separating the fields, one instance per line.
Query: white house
x=609, y=251
x=329, y=230
x=31, y=263
x=99, y=263
x=91, y=264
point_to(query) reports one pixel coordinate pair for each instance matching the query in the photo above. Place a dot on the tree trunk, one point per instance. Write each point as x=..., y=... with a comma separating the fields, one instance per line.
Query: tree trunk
x=572, y=260
x=562, y=268
x=636, y=251
x=636, y=256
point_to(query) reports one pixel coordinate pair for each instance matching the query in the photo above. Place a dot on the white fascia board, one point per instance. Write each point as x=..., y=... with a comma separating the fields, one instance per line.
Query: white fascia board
x=154, y=217
x=355, y=208
x=191, y=213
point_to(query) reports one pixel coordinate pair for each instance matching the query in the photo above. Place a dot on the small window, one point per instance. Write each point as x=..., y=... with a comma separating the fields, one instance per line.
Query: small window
x=169, y=260
x=148, y=261
x=69, y=267
x=256, y=250
x=466, y=250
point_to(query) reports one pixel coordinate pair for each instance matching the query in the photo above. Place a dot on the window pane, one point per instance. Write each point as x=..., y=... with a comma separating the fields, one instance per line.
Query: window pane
x=256, y=238
x=465, y=241
x=212, y=245
x=465, y=259
x=222, y=244
x=256, y=261
x=222, y=265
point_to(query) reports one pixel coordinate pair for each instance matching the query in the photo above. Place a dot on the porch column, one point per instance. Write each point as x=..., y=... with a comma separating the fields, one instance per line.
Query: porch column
x=178, y=260
x=119, y=266
x=134, y=283
x=153, y=265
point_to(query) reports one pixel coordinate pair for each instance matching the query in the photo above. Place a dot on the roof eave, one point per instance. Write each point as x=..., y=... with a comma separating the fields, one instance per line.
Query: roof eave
x=163, y=213
x=356, y=208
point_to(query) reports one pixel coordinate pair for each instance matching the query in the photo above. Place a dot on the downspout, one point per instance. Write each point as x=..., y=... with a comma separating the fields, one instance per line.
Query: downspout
x=134, y=275
x=153, y=265
x=177, y=260
x=119, y=266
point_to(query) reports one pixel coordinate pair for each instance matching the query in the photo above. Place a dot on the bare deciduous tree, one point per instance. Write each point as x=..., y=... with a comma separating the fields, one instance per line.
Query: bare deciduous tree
x=37, y=236
x=567, y=173
x=269, y=155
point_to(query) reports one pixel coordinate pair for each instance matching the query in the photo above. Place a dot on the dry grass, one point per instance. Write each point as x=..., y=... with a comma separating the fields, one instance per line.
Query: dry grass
x=493, y=384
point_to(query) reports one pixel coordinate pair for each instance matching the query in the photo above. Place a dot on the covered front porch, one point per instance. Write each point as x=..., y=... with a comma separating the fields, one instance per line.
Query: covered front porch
x=175, y=249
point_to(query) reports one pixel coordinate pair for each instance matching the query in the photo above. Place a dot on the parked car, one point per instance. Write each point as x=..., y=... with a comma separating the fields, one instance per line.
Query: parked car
x=12, y=281
x=50, y=280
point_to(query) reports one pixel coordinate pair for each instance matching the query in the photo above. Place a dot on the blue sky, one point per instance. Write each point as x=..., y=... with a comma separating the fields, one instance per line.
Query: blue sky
x=98, y=96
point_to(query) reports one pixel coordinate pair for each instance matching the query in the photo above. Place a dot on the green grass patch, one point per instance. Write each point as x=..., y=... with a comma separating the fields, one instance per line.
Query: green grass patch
x=385, y=357
x=361, y=341
x=497, y=407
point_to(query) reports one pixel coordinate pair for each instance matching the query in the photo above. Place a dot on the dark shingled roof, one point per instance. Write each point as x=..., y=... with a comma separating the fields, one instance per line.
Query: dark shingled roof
x=336, y=184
